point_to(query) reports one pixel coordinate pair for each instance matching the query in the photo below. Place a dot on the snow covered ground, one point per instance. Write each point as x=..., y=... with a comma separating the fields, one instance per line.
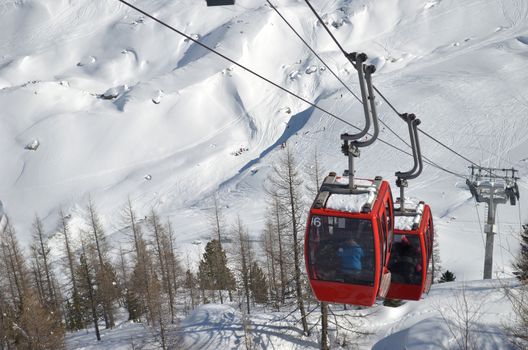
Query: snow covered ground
x=99, y=101
x=435, y=322
x=127, y=335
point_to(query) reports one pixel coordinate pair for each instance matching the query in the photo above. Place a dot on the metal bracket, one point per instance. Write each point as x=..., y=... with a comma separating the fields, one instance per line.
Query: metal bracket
x=403, y=176
x=351, y=143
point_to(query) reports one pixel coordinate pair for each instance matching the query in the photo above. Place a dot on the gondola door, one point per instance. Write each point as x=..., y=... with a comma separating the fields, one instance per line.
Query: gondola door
x=429, y=241
x=385, y=229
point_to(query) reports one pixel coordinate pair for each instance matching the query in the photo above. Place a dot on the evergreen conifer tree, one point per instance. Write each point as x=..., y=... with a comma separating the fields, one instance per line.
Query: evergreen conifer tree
x=190, y=284
x=258, y=284
x=213, y=271
x=447, y=276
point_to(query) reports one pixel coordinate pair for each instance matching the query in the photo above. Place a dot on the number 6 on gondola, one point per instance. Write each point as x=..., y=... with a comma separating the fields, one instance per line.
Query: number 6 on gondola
x=316, y=221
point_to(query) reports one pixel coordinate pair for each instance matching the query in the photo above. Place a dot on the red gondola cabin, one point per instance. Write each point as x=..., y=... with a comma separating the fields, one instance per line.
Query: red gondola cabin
x=348, y=241
x=411, y=257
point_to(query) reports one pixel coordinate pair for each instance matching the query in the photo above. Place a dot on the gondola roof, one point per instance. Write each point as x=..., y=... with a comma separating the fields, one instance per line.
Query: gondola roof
x=335, y=195
x=409, y=221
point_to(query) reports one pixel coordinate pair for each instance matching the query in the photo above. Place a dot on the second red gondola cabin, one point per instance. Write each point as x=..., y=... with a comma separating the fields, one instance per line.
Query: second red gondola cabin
x=411, y=257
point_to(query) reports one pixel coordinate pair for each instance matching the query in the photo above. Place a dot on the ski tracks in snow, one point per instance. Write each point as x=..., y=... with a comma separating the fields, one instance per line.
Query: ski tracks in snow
x=515, y=11
x=65, y=24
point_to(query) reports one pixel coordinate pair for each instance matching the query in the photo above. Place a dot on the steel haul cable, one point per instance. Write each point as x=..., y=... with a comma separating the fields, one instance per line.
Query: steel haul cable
x=379, y=92
x=427, y=160
x=271, y=82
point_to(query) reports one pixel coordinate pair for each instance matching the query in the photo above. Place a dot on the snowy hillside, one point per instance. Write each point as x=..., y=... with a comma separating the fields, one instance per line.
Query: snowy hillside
x=181, y=114
x=99, y=101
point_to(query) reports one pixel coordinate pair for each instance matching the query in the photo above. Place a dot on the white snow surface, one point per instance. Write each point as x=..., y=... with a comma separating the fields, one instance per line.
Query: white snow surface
x=199, y=125
x=125, y=336
x=406, y=222
x=345, y=180
x=403, y=222
x=428, y=324
x=350, y=203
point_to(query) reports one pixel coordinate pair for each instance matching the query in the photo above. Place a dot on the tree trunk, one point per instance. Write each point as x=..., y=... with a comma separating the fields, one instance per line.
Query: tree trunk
x=77, y=318
x=218, y=228
x=245, y=260
x=282, y=267
x=89, y=284
x=324, y=326
x=173, y=267
x=95, y=226
x=296, y=257
x=44, y=254
x=141, y=259
x=165, y=281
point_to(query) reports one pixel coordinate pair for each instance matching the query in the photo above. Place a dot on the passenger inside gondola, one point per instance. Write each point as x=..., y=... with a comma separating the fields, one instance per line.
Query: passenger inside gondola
x=342, y=250
x=405, y=260
x=350, y=254
x=327, y=261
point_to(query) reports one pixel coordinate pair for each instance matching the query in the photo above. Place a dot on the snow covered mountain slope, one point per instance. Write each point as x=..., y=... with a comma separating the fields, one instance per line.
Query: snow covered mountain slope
x=121, y=106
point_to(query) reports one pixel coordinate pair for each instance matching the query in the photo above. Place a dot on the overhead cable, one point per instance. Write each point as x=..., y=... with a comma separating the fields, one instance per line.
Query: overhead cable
x=249, y=70
x=378, y=91
x=312, y=50
x=271, y=82
x=328, y=67
x=430, y=162
x=326, y=28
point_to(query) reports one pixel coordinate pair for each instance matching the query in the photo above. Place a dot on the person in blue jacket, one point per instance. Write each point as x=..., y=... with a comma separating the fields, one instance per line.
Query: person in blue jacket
x=350, y=254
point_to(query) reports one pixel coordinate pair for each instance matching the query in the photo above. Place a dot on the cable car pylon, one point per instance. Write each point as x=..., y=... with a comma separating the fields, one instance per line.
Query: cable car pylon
x=487, y=186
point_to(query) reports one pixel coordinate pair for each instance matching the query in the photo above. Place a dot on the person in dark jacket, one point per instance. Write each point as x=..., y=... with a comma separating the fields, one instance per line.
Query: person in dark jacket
x=327, y=261
x=405, y=263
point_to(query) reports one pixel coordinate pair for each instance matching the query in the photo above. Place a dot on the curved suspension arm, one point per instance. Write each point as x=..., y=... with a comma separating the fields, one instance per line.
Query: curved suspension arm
x=412, y=123
x=357, y=61
x=351, y=143
x=369, y=70
x=418, y=149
